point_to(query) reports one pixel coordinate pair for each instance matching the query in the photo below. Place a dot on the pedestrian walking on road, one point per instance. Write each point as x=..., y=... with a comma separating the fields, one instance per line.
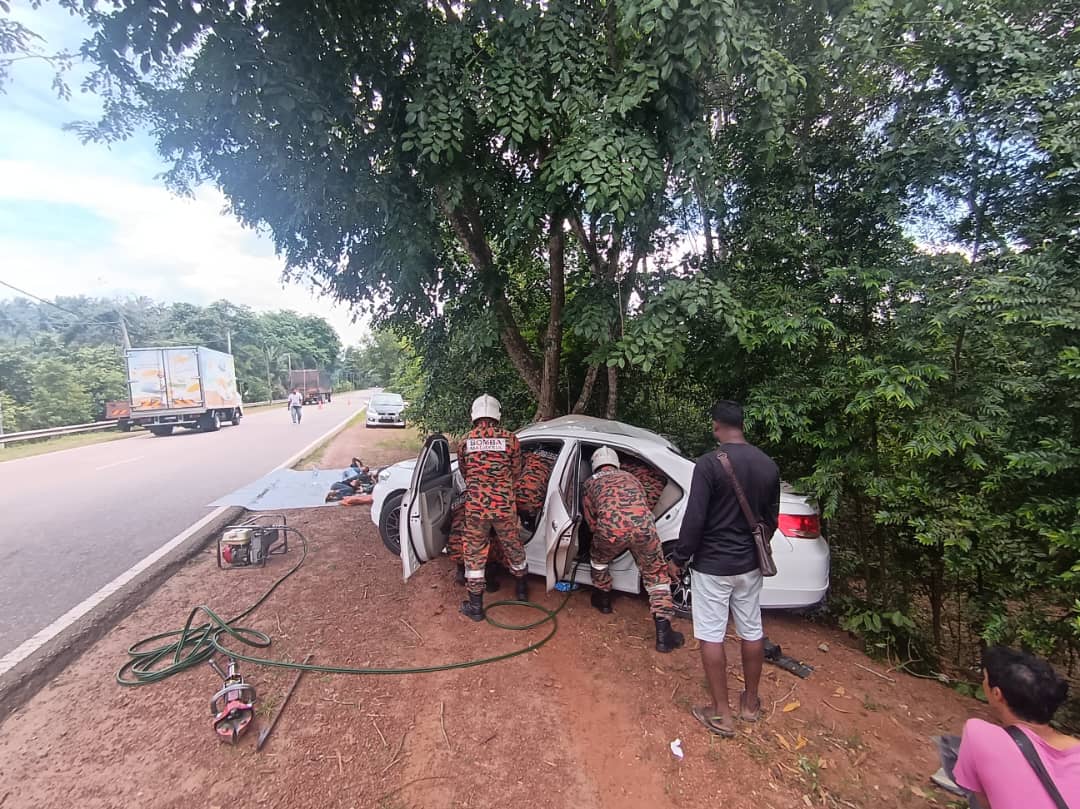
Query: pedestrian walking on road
x=490, y=462
x=296, y=406
x=618, y=514
x=719, y=546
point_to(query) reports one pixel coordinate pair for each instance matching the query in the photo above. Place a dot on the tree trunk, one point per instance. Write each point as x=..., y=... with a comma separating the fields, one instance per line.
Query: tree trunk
x=586, y=390
x=468, y=228
x=516, y=347
x=612, y=392
x=547, y=406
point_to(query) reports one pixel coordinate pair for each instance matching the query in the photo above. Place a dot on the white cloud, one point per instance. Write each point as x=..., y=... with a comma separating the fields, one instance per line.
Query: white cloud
x=149, y=242
x=92, y=220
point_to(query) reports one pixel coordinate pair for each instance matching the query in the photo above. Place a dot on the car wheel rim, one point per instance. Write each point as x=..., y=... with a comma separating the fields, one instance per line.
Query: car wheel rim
x=393, y=525
x=680, y=591
x=680, y=587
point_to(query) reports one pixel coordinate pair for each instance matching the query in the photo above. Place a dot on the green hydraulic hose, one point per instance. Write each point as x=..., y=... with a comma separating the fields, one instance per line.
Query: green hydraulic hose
x=197, y=644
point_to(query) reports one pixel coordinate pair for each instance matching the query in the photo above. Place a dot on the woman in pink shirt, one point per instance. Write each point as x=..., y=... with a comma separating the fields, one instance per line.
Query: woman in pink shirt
x=1024, y=692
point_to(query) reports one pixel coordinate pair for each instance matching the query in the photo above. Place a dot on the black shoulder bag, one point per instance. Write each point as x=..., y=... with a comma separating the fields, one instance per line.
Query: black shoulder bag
x=1032, y=756
x=762, y=538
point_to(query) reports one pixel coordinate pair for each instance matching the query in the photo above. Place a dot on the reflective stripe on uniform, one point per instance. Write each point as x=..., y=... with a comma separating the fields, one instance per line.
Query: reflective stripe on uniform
x=597, y=565
x=659, y=588
x=474, y=574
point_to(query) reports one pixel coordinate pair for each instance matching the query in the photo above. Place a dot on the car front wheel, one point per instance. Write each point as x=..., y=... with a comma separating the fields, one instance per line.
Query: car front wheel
x=390, y=523
x=680, y=588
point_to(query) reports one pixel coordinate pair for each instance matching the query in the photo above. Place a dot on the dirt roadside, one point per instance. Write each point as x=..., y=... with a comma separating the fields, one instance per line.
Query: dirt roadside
x=584, y=722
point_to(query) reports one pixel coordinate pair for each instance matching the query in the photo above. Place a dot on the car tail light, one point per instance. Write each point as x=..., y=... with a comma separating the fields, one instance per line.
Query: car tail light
x=802, y=526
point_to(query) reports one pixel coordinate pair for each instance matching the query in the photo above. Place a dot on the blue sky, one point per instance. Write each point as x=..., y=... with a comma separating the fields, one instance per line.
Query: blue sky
x=94, y=220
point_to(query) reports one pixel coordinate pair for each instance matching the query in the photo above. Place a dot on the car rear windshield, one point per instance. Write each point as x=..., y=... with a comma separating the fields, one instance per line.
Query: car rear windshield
x=386, y=400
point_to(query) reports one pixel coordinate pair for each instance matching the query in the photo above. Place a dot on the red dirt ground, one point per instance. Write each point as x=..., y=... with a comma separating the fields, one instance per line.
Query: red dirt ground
x=584, y=722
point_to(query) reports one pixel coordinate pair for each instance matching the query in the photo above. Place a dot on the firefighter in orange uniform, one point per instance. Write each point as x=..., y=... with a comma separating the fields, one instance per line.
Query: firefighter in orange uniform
x=532, y=488
x=616, y=510
x=490, y=461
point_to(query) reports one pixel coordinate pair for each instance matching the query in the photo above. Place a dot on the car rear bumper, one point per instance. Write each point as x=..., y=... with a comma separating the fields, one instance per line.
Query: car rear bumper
x=792, y=599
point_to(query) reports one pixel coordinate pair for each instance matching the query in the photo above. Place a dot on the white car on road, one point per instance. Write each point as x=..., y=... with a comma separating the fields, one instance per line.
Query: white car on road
x=386, y=410
x=412, y=509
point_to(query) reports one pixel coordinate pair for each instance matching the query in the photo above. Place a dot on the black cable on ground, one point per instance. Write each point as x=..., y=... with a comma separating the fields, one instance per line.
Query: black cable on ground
x=194, y=645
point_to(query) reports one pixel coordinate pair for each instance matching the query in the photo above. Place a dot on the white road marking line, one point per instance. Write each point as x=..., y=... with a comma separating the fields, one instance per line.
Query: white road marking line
x=28, y=647
x=119, y=463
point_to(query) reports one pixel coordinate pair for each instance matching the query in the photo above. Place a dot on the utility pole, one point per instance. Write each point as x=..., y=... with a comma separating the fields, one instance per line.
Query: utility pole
x=228, y=341
x=269, y=383
x=123, y=331
x=2, y=444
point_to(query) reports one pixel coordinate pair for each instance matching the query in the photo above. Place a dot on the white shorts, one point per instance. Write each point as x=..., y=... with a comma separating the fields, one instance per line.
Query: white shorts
x=713, y=597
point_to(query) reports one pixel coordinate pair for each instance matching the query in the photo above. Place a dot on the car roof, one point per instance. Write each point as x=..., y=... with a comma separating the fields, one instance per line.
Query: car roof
x=590, y=426
x=385, y=395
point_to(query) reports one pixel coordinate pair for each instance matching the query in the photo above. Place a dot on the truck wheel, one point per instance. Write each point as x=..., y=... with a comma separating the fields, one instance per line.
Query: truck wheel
x=125, y=426
x=162, y=431
x=211, y=422
x=236, y=416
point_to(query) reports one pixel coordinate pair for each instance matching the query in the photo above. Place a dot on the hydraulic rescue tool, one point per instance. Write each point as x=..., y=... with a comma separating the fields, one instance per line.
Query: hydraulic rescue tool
x=233, y=707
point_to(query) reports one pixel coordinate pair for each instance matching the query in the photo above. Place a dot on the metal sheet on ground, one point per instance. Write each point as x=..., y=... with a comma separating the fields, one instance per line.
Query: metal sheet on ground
x=284, y=489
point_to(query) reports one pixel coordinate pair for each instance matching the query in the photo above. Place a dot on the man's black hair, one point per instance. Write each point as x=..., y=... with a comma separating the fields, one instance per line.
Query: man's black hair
x=1030, y=686
x=728, y=413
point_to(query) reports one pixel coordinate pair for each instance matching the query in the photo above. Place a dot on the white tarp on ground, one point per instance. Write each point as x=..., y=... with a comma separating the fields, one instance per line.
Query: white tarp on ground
x=284, y=489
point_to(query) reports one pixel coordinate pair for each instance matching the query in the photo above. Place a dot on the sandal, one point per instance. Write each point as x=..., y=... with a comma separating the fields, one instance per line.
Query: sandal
x=751, y=716
x=713, y=724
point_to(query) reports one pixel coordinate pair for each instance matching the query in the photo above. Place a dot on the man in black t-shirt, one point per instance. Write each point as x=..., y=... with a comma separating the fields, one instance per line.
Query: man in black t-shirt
x=717, y=542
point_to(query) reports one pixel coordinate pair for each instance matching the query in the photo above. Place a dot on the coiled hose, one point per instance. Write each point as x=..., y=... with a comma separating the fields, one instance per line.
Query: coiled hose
x=158, y=657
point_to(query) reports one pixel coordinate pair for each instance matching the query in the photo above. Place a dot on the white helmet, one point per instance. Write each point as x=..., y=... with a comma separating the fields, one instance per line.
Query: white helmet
x=605, y=456
x=486, y=407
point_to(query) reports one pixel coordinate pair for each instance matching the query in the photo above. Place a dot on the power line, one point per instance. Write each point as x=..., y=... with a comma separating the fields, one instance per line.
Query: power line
x=39, y=299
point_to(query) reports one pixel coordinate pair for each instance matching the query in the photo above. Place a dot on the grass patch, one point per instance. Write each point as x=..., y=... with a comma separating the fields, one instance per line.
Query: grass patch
x=27, y=449
x=314, y=457
x=408, y=440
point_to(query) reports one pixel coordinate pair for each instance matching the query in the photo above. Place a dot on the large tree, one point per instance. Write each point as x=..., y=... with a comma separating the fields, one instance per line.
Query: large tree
x=411, y=152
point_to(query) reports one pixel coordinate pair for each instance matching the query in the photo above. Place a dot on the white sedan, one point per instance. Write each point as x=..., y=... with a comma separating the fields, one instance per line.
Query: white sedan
x=412, y=508
x=386, y=410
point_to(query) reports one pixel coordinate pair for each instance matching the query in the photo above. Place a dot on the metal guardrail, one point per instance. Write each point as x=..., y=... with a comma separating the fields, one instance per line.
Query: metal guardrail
x=52, y=432
x=92, y=427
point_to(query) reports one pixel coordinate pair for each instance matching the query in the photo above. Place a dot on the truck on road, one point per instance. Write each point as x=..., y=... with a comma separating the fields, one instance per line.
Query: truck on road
x=314, y=385
x=186, y=386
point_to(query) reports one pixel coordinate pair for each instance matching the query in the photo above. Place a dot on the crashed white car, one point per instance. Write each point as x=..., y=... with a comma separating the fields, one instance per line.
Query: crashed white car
x=412, y=509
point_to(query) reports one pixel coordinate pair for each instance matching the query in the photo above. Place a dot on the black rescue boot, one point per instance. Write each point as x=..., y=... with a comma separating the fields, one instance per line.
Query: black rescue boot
x=459, y=575
x=491, y=579
x=474, y=607
x=667, y=639
x=521, y=588
x=601, y=599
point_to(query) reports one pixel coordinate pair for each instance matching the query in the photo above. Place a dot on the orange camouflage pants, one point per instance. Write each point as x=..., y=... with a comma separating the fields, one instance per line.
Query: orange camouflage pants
x=476, y=545
x=455, y=542
x=645, y=548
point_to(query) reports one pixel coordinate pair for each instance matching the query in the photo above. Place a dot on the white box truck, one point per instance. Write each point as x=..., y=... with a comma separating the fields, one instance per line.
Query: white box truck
x=186, y=386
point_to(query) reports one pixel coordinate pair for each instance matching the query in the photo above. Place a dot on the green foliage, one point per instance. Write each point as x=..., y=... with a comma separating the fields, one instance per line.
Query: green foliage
x=59, y=397
x=377, y=361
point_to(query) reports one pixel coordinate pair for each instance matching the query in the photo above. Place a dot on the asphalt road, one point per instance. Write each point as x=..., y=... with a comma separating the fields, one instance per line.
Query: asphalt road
x=72, y=521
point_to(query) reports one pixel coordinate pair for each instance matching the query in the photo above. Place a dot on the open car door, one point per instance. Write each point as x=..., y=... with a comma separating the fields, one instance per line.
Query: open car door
x=425, y=508
x=562, y=513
